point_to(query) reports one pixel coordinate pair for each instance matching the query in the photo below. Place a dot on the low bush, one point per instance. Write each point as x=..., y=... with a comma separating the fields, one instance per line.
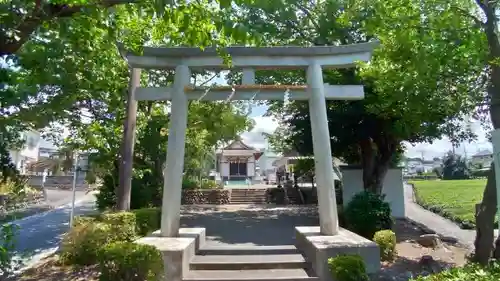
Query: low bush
x=348, y=268
x=82, y=220
x=386, y=240
x=81, y=245
x=128, y=261
x=368, y=213
x=123, y=223
x=470, y=272
x=147, y=220
x=209, y=184
x=188, y=183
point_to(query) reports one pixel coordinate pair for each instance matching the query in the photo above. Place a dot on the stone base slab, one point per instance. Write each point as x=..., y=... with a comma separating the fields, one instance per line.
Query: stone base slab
x=177, y=252
x=318, y=248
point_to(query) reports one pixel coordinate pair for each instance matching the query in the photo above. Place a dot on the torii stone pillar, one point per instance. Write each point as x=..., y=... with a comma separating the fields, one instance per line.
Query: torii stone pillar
x=172, y=184
x=323, y=163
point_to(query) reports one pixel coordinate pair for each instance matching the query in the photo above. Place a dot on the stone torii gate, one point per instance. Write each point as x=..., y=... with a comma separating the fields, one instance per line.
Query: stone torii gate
x=248, y=59
x=318, y=243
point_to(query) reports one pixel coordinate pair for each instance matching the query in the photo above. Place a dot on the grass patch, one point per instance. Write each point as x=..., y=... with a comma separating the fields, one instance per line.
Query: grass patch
x=453, y=199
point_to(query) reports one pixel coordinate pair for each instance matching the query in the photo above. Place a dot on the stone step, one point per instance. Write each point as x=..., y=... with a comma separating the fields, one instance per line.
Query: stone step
x=250, y=275
x=245, y=262
x=249, y=250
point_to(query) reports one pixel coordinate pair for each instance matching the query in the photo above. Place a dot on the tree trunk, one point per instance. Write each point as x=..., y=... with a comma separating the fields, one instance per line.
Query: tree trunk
x=488, y=206
x=485, y=217
x=375, y=160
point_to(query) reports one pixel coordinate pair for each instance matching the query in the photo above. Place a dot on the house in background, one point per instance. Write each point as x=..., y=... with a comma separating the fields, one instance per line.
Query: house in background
x=266, y=160
x=482, y=159
x=33, y=157
x=27, y=154
x=419, y=165
x=237, y=162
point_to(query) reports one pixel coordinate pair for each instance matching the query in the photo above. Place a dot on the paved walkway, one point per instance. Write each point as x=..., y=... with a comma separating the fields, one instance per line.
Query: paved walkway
x=41, y=234
x=249, y=225
x=437, y=223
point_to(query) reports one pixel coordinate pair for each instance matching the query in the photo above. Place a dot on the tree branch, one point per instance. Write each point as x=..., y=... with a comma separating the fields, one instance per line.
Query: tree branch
x=44, y=12
x=467, y=14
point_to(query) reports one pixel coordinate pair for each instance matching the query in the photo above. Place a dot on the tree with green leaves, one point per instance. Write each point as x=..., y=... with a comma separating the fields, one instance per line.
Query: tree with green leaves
x=455, y=167
x=425, y=77
x=69, y=71
x=164, y=20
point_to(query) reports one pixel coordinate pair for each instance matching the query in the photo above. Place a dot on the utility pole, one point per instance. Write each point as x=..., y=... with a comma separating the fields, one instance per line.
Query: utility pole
x=75, y=175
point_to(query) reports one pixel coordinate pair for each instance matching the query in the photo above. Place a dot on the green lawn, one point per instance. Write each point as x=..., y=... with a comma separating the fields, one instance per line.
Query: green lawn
x=454, y=199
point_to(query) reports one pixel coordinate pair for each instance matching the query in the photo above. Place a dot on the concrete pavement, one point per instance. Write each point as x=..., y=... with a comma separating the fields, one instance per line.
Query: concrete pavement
x=41, y=234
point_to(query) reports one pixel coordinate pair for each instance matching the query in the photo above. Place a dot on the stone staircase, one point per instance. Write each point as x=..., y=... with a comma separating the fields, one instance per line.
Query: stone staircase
x=249, y=263
x=248, y=196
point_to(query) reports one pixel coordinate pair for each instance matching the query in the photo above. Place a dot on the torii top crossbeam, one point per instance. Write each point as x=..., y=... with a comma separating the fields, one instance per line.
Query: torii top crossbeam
x=250, y=57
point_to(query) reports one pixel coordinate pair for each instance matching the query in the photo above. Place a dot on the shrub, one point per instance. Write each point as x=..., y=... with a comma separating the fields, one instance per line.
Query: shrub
x=348, y=268
x=386, y=240
x=188, y=183
x=368, y=213
x=146, y=191
x=122, y=223
x=82, y=220
x=128, y=261
x=468, y=272
x=208, y=184
x=82, y=244
x=8, y=263
x=147, y=220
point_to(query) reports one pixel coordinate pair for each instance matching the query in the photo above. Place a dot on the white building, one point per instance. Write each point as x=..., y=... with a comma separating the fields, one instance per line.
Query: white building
x=418, y=165
x=237, y=161
x=266, y=160
x=482, y=159
x=28, y=153
x=35, y=149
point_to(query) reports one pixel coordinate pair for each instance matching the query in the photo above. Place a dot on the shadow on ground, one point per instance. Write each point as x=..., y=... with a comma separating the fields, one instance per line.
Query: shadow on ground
x=255, y=225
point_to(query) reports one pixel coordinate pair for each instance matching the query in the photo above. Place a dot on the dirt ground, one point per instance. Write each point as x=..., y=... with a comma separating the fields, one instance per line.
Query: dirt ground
x=406, y=265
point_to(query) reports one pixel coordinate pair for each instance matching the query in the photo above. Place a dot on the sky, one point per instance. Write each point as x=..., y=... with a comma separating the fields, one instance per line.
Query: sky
x=426, y=150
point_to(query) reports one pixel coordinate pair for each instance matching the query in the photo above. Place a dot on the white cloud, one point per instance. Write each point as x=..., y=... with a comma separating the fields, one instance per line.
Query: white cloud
x=255, y=137
x=439, y=147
